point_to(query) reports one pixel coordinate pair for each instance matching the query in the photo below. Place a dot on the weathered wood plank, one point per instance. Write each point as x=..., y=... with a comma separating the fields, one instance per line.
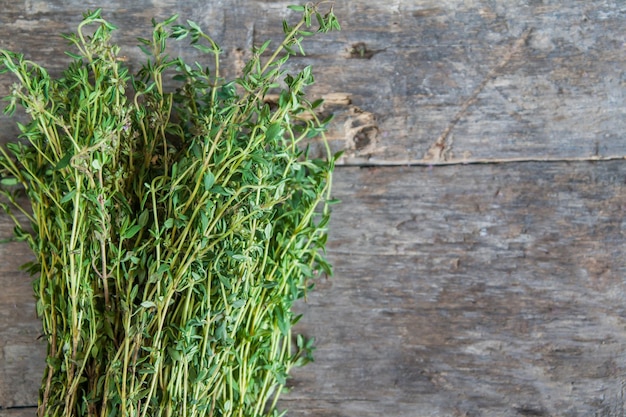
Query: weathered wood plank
x=476, y=80
x=19, y=412
x=468, y=290
x=464, y=290
x=21, y=353
x=429, y=81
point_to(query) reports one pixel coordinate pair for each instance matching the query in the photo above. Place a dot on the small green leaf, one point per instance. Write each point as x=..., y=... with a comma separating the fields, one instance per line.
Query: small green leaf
x=9, y=181
x=194, y=25
x=74, y=56
x=143, y=218
x=170, y=20
x=317, y=103
x=63, y=162
x=132, y=231
x=96, y=164
x=209, y=180
x=286, y=27
x=273, y=131
x=174, y=354
x=163, y=268
x=203, y=48
x=320, y=21
x=67, y=197
x=145, y=50
x=263, y=47
x=283, y=322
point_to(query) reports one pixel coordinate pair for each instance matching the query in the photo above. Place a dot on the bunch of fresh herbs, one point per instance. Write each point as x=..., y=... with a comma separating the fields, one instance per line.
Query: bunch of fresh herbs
x=173, y=227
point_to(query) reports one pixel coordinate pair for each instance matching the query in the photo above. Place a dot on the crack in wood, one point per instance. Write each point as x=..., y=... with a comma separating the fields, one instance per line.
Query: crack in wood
x=440, y=150
x=366, y=163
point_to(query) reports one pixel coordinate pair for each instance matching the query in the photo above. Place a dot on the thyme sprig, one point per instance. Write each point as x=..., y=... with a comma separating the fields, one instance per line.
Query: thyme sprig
x=173, y=228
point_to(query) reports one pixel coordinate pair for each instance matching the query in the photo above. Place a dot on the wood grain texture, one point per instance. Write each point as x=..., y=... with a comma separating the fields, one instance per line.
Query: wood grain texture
x=19, y=412
x=512, y=80
x=465, y=290
x=483, y=290
x=21, y=353
x=494, y=290
x=429, y=81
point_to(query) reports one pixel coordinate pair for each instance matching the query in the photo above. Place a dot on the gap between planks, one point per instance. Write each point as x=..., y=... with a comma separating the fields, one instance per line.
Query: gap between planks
x=365, y=163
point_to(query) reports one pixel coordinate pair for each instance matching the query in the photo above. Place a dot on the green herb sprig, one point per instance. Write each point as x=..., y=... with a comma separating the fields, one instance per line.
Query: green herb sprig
x=173, y=227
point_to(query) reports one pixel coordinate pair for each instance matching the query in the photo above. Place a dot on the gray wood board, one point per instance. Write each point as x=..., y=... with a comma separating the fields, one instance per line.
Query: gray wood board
x=19, y=412
x=427, y=81
x=21, y=353
x=466, y=290
x=469, y=290
x=472, y=291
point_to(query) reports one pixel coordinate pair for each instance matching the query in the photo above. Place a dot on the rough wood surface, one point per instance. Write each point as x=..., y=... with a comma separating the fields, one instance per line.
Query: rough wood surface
x=21, y=412
x=476, y=289
x=492, y=290
x=21, y=354
x=429, y=81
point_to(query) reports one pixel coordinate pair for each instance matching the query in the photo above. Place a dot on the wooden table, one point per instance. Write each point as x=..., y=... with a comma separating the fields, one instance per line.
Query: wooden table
x=479, y=252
